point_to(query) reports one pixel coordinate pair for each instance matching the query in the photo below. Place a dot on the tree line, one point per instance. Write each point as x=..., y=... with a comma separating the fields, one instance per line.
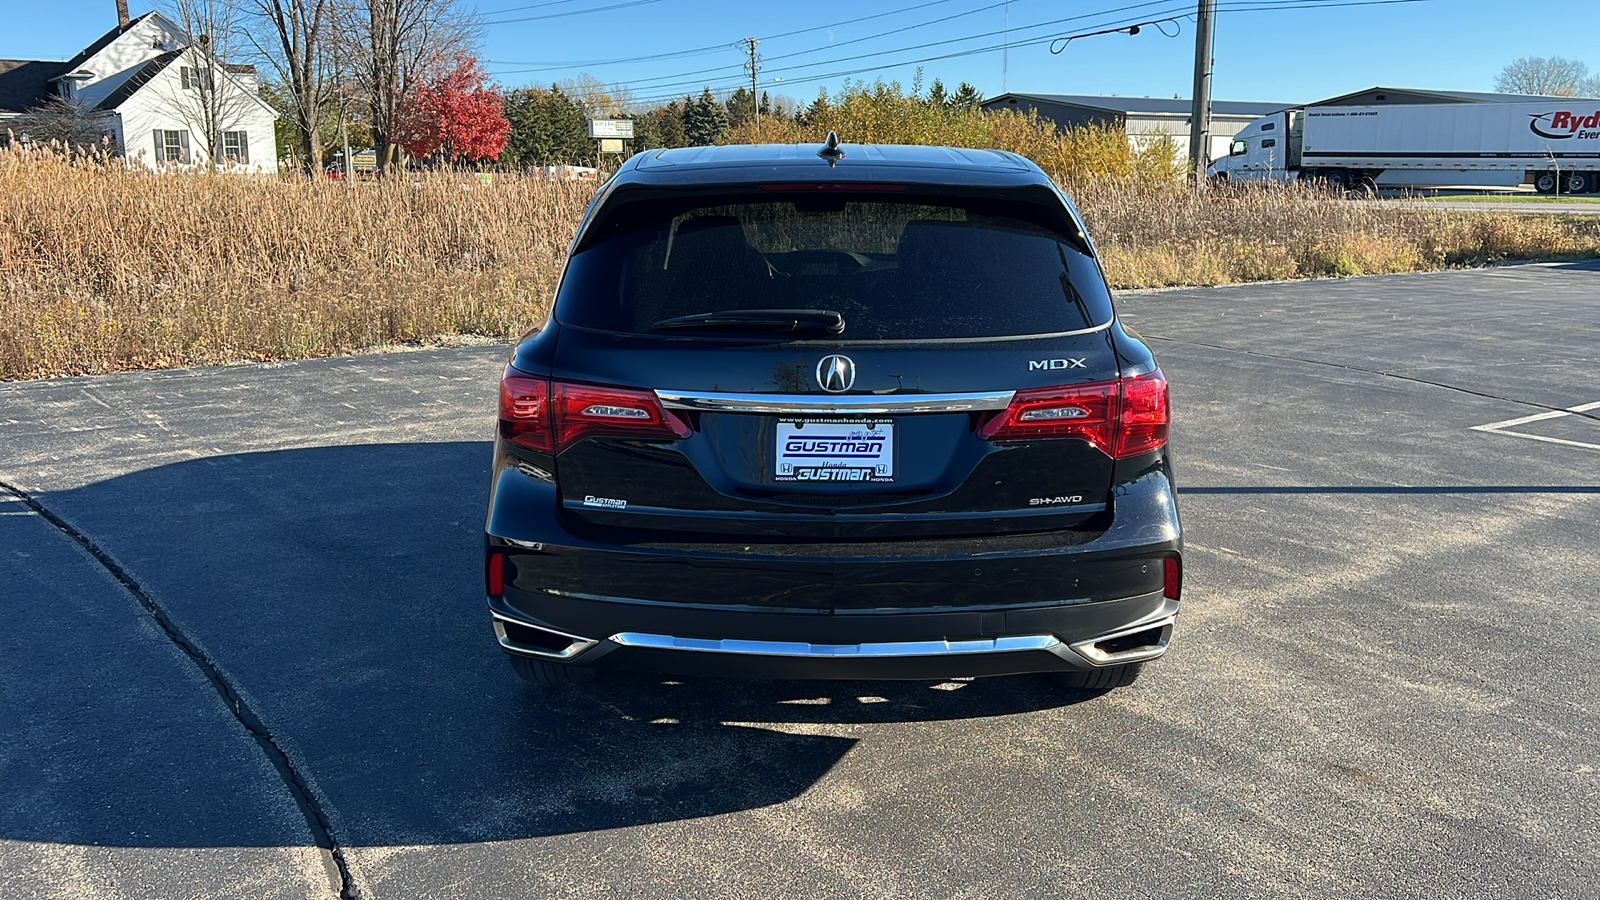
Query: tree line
x=549, y=125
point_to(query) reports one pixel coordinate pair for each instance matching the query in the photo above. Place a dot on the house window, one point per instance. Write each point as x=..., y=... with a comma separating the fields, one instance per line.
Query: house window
x=172, y=146
x=193, y=78
x=236, y=147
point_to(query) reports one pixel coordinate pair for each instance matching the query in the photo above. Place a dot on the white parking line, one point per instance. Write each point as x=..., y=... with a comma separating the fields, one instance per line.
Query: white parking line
x=1500, y=427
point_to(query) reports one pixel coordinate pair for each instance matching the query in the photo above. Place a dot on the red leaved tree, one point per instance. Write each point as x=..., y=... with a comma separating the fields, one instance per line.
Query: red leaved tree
x=453, y=113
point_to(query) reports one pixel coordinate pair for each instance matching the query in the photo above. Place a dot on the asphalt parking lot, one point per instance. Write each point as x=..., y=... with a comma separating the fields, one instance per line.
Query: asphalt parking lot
x=244, y=652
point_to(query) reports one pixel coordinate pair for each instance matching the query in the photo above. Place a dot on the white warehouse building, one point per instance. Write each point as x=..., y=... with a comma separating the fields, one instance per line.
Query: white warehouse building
x=1142, y=119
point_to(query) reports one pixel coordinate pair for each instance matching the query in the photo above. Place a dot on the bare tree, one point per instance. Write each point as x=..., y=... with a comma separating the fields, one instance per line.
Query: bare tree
x=208, y=94
x=291, y=36
x=390, y=44
x=1554, y=77
x=597, y=100
x=60, y=121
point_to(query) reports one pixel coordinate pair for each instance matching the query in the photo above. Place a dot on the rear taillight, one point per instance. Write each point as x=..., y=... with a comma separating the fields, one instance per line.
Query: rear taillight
x=494, y=574
x=1086, y=411
x=585, y=409
x=525, y=411
x=550, y=416
x=1145, y=416
x=1119, y=418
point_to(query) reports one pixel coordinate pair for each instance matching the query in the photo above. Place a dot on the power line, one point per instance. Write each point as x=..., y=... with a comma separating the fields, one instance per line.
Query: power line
x=720, y=84
x=498, y=12
x=1160, y=16
x=672, y=83
x=770, y=37
x=574, y=12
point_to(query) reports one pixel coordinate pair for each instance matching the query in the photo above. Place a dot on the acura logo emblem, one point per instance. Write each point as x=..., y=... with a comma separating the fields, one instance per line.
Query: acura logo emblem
x=836, y=373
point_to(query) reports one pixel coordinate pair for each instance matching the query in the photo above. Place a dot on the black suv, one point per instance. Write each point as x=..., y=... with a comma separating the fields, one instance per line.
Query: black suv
x=857, y=412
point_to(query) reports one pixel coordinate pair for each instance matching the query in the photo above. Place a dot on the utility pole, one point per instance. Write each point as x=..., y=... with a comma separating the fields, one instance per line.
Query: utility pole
x=1200, y=115
x=346, y=162
x=755, y=98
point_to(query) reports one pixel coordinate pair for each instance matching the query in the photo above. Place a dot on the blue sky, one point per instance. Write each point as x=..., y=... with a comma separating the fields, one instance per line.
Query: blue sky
x=1280, y=55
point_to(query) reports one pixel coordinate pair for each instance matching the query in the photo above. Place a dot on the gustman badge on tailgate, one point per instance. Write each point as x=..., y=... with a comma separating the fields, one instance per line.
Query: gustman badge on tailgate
x=836, y=373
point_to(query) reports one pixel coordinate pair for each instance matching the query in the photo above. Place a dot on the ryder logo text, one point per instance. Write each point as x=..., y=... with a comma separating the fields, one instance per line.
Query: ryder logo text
x=1563, y=124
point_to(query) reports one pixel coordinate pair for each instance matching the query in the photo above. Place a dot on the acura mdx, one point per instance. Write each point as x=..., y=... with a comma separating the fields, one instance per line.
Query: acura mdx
x=831, y=411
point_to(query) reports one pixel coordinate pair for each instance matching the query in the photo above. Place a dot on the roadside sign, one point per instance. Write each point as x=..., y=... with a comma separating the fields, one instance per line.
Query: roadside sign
x=621, y=129
x=610, y=145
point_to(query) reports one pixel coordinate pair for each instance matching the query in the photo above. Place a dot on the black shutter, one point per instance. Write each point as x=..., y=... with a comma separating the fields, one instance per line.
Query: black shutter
x=244, y=147
x=183, y=141
x=161, y=147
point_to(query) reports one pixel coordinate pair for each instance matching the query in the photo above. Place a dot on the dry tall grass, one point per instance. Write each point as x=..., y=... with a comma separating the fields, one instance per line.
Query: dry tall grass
x=1166, y=237
x=103, y=267
x=106, y=267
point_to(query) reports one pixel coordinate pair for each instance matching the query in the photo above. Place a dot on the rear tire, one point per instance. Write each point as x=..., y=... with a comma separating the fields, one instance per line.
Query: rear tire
x=1545, y=182
x=545, y=671
x=1104, y=679
x=1338, y=180
x=1580, y=183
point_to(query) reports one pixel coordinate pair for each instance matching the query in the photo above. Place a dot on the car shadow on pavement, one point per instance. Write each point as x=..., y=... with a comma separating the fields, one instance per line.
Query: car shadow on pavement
x=339, y=590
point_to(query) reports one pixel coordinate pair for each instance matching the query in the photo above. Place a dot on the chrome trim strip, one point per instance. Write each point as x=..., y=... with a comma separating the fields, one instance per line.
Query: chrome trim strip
x=1097, y=657
x=578, y=645
x=836, y=651
x=826, y=405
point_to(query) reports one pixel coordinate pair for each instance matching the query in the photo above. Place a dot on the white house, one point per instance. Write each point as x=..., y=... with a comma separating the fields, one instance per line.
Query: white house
x=161, y=100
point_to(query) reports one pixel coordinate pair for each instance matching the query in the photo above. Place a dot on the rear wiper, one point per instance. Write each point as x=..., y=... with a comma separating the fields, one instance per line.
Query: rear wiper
x=781, y=321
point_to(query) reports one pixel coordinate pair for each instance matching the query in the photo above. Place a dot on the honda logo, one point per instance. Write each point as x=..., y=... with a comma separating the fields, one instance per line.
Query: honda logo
x=836, y=373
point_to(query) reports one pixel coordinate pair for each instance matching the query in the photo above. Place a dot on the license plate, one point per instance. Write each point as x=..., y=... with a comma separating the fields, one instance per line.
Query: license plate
x=835, y=450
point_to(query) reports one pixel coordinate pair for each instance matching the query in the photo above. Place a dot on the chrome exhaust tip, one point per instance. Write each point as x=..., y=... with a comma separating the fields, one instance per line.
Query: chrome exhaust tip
x=1137, y=642
x=524, y=638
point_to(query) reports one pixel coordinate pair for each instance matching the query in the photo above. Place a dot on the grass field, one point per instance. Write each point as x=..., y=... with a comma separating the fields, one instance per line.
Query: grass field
x=103, y=267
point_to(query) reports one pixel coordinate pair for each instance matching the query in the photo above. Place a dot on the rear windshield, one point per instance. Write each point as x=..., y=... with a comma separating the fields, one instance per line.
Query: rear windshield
x=892, y=270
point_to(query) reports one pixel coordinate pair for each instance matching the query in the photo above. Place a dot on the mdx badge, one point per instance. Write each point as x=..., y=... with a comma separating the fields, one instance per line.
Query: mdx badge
x=836, y=373
x=1035, y=365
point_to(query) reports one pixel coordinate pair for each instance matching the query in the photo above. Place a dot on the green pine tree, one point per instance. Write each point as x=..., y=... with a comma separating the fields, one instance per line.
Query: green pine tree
x=547, y=129
x=704, y=120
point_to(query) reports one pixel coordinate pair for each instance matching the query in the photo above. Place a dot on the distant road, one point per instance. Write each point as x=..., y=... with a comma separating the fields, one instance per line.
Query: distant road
x=1546, y=207
x=1521, y=201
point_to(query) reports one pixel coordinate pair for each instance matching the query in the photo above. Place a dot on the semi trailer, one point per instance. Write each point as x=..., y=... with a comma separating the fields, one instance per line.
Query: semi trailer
x=1552, y=144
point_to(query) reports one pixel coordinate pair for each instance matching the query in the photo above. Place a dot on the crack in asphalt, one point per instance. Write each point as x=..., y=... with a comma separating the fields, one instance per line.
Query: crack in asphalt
x=1411, y=378
x=299, y=789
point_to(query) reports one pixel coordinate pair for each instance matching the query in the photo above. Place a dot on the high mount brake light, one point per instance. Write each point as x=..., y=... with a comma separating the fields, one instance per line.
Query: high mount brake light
x=1123, y=417
x=832, y=186
x=549, y=416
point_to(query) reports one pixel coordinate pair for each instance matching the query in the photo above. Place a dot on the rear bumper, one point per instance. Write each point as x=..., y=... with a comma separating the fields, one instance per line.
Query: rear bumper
x=909, y=609
x=918, y=645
